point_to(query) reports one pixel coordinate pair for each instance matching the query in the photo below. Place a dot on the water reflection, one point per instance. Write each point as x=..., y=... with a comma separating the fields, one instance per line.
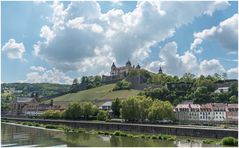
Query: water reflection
x=15, y=135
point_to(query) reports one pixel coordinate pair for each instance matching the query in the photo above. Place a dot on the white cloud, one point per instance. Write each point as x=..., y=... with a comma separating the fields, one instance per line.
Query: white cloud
x=81, y=28
x=13, y=49
x=47, y=33
x=175, y=64
x=39, y=1
x=226, y=34
x=38, y=68
x=233, y=73
x=42, y=75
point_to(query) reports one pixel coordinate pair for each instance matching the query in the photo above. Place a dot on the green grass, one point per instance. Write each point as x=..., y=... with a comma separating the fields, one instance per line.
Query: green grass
x=97, y=94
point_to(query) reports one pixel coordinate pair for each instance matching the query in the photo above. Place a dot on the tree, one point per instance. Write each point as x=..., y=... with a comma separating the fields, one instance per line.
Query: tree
x=102, y=115
x=84, y=80
x=161, y=110
x=116, y=106
x=224, y=76
x=233, y=89
x=122, y=85
x=217, y=76
x=201, y=95
x=188, y=77
x=74, y=86
x=135, y=108
x=88, y=109
x=161, y=93
x=74, y=111
x=233, y=99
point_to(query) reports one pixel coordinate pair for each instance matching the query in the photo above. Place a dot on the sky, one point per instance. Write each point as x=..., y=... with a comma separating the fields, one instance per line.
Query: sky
x=55, y=42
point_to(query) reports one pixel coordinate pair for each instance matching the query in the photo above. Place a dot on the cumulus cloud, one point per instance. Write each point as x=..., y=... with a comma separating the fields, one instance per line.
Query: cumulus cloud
x=80, y=29
x=40, y=74
x=226, y=34
x=13, y=49
x=47, y=33
x=233, y=73
x=175, y=64
x=37, y=68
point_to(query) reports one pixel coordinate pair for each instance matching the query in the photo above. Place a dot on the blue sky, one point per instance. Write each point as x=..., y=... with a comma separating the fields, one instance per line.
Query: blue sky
x=57, y=41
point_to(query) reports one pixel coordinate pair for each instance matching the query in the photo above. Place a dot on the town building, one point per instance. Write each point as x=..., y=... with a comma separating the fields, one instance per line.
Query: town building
x=194, y=110
x=19, y=103
x=219, y=111
x=222, y=90
x=206, y=112
x=182, y=112
x=232, y=112
x=23, y=106
x=106, y=105
x=210, y=112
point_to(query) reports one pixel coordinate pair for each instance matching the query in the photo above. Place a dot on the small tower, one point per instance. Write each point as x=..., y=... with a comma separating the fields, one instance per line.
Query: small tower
x=128, y=64
x=113, y=69
x=113, y=66
x=138, y=67
x=160, y=70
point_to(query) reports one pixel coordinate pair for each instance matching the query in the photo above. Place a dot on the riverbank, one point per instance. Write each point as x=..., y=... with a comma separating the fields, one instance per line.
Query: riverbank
x=139, y=128
x=229, y=141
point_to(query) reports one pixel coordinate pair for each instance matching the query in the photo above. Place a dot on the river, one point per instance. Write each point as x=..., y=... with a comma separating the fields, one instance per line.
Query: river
x=20, y=135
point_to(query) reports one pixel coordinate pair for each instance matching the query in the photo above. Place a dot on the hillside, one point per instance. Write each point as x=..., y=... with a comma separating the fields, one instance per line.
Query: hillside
x=97, y=95
x=25, y=89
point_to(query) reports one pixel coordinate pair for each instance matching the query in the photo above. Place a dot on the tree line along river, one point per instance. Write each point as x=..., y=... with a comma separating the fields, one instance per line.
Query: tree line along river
x=21, y=135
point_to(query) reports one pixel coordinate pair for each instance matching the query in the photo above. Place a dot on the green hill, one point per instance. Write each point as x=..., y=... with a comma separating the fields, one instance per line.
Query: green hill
x=96, y=95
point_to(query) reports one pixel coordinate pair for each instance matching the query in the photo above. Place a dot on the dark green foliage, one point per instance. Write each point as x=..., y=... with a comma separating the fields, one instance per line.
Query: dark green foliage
x=122, y=85
x=140, y=108
x=43, y=89
x=51, y=114
x=74, y=86
x=102, y=115
x=230, y=141
x=135, y=109
x=201, y=95
x=161, y=93
x=51, y=126
x=116, y=105
x=80, y=111
x=207, y=141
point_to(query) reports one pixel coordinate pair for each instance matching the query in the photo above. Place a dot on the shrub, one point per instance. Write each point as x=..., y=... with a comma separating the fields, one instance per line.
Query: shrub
x=130, y=135
x=230, y=141
x=171, y=138
x=117, y=133
x=142, y=136
x=154, y=137
x=207, y=141
x=100, y=132
x=51, y=126
x=80, y=130
x=30, y=124
x=122, y=85
x=102, y=115
x=235, y=142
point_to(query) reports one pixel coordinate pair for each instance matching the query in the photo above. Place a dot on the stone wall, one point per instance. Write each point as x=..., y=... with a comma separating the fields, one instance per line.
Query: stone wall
x=139, y=84
x=142, y=128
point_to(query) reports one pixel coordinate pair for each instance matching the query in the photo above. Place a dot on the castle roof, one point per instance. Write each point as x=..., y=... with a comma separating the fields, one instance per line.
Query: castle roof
x=128, y=62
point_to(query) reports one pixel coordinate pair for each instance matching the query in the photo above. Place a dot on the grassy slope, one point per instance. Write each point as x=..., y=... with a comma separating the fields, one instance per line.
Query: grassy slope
x=99, y=94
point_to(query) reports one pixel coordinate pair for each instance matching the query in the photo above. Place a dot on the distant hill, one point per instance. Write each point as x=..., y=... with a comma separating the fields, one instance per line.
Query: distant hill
x=25, y=89
x=97, y=95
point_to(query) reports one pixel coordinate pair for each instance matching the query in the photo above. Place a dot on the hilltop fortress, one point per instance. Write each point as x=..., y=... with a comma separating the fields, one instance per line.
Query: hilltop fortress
x=118, y=73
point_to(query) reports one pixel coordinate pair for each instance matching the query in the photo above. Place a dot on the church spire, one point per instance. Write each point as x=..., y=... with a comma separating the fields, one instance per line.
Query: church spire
x=160, y=70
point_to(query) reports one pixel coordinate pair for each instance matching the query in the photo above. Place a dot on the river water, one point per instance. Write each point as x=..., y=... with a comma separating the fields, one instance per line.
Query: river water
x=20, y=135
